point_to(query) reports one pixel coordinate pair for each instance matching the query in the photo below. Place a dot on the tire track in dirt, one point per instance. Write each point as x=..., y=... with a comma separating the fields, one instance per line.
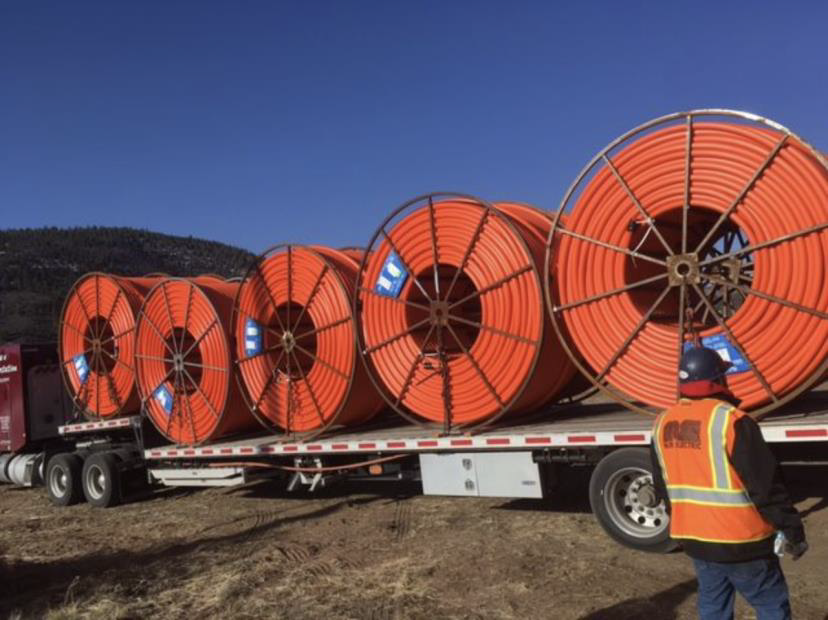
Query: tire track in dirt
x=328, y=568
x=402, y=520
x=399, y=527
x=297, y=552
x=246, y=525
x=387, y=610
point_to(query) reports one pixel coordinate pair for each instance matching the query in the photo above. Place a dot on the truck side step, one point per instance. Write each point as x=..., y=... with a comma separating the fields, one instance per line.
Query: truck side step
x=199, y=476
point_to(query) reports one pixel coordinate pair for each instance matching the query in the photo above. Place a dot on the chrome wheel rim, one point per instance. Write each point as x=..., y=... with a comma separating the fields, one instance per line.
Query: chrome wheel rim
x=95, y=482
x=629, y=498
x=58, y=481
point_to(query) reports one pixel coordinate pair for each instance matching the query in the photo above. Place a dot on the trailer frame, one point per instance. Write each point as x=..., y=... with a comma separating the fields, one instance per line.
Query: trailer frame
x=524, y=460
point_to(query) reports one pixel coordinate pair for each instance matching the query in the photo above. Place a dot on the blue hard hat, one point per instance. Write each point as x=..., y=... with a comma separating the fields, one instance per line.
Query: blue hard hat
x=701, y=364
x=702, y=372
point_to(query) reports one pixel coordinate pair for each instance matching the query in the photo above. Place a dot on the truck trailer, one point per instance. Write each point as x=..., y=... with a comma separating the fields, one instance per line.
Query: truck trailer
x=104, y=461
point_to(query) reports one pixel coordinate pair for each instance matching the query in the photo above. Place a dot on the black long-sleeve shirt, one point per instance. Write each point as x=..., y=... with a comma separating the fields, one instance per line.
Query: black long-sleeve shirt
x=757, y=467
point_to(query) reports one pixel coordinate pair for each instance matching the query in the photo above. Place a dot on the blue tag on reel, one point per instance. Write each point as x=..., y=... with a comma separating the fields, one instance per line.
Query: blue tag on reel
x=252, y=338
x=81, y=367
x=392, y=277
x=164, y=398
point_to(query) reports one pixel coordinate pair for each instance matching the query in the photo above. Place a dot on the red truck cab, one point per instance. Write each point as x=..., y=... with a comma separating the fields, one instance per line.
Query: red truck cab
x=33, y=404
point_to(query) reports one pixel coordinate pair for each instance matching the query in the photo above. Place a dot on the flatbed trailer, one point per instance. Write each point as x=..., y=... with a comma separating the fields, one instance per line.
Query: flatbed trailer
x=524, y=460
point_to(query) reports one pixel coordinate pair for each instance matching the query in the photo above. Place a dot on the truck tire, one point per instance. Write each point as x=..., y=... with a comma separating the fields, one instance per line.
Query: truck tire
x=63, y=479
x=622, y=497
x=102, y=480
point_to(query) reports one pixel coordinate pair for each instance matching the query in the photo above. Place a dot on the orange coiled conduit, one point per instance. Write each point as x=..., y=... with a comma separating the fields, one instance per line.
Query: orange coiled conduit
x=97, y=343
x=451, y=311
x=296, y=355
x=704, y=228
x=183, y=361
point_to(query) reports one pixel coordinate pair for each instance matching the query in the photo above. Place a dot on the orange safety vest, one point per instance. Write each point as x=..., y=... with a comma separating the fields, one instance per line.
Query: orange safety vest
x=709, y=502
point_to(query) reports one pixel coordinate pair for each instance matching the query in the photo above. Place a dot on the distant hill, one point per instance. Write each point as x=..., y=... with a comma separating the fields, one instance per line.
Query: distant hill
x=38, y=267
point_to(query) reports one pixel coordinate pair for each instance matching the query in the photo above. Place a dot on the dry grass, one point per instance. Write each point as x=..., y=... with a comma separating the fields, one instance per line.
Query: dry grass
x=252, y=553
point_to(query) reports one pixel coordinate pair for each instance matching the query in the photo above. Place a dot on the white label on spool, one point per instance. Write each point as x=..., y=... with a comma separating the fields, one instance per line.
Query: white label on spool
x=394, y=270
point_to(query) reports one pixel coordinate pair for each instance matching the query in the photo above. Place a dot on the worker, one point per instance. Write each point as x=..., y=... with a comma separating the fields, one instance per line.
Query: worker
x=724, y=492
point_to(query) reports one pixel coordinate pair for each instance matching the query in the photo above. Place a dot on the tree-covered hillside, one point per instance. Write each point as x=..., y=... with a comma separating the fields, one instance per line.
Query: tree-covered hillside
x=39, y=266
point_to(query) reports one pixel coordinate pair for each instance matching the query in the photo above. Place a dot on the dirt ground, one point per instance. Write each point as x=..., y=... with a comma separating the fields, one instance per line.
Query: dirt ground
x=367, y=551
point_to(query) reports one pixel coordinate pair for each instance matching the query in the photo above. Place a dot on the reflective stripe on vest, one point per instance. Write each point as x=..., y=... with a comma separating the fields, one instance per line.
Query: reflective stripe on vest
x=717, y=441
x=708, y=496
x=657, y=444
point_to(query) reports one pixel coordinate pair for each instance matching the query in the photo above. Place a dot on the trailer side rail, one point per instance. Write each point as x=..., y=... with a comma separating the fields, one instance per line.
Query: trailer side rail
x=584, y=433
x=99, y=425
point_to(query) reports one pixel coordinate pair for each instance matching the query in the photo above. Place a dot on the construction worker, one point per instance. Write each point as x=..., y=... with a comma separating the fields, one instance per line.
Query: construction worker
x=724, y=491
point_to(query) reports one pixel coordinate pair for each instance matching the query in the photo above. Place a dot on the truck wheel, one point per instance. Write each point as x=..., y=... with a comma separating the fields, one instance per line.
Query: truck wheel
x=63, y=479
x=102, y=480
x=623, y=500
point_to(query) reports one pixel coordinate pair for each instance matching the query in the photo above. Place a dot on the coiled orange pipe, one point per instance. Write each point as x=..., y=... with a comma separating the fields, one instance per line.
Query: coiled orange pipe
x=355, y=253
x=698, y=228
x=97, y=343
x=451, y=311
x=296, y=355
x=183, y=361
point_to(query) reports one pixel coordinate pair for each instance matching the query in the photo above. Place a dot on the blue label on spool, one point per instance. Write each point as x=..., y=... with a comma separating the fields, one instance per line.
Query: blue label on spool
x=392, y=277
x=721, y=345
x=164, y=398
x=81, y=367
x=252, y=337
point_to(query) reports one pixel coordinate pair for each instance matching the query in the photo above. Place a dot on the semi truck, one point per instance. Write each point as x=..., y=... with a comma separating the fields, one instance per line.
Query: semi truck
x=44, y=443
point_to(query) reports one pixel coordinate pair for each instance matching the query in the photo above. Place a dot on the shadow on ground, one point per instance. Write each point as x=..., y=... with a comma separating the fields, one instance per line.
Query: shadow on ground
x=807, y=482
x=274, y=489
x=662, y=606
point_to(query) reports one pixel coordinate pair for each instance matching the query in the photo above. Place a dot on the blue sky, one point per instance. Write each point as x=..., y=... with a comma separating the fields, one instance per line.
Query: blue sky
x=254, y=123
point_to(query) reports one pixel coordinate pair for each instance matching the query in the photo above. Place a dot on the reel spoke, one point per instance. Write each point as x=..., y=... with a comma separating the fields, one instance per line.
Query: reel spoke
x=751, y=182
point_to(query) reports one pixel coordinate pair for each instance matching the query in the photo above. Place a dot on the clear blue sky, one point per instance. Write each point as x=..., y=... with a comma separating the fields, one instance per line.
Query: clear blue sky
x=254, y=123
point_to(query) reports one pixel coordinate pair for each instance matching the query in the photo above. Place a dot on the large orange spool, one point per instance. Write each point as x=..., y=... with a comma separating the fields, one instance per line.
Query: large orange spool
x=97, y=343
x=709, y=224
x=451, y=312
x=296, y=356
x=183, y=361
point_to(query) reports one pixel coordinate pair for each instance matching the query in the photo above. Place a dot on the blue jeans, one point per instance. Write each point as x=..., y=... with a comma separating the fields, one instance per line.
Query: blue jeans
x=761, y=582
